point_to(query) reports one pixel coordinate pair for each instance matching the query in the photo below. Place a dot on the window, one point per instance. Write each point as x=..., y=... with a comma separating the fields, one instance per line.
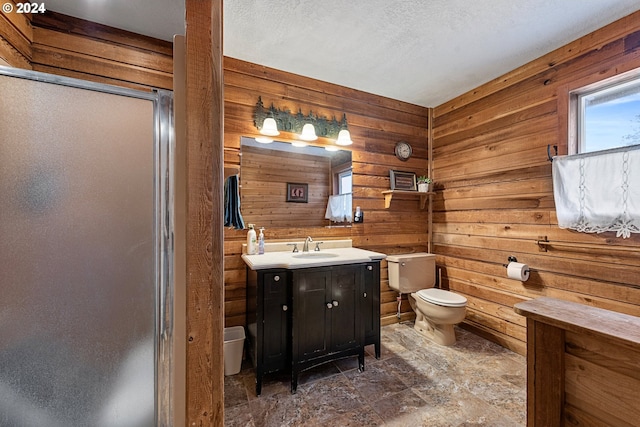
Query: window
x=344, y=182
x=608, y=116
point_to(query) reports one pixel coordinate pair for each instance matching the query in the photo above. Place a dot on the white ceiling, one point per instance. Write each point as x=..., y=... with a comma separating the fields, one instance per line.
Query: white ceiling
x=424, y=52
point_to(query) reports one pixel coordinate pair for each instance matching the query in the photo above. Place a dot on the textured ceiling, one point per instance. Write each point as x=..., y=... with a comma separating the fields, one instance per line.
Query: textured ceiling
x=424, y=52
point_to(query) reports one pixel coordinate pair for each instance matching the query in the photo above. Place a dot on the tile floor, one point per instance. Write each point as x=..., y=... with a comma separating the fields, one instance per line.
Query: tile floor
x=416, y=382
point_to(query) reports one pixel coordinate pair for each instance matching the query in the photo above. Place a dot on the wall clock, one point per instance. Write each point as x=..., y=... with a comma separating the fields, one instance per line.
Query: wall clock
x=403, y=150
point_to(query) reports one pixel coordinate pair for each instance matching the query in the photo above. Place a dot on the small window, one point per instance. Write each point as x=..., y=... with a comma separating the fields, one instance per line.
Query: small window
x=608, y=116
x=344, y=182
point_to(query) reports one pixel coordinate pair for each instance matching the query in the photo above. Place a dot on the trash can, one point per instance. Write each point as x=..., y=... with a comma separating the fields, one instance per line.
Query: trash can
x=233, y=348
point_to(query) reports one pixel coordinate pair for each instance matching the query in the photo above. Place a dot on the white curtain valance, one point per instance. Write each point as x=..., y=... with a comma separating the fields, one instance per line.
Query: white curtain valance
x=339, y=208
x=599, y=192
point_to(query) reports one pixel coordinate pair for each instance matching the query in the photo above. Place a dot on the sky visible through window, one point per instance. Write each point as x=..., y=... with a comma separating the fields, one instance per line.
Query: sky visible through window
x=613, y=124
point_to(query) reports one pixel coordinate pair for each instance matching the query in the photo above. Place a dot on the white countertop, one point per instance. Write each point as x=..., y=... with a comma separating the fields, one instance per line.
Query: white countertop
x=325, y=257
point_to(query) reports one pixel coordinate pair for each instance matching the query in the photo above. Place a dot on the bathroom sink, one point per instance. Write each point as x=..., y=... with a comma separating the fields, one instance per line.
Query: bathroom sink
x=315, y=255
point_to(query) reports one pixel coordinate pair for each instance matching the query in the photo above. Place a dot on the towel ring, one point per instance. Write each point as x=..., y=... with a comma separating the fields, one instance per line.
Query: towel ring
x=555, y=148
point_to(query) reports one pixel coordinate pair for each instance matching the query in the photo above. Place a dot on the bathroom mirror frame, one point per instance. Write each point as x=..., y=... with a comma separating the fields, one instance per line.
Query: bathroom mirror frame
x=252, y=191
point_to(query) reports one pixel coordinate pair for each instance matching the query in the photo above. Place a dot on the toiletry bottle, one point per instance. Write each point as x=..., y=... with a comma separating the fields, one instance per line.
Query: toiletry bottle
x=261, y=241
x=359, y=215
x=251, y=240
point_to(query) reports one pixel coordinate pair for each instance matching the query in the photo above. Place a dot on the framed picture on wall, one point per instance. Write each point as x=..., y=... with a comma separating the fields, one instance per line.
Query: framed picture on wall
x=297, y=193
x=402, y=180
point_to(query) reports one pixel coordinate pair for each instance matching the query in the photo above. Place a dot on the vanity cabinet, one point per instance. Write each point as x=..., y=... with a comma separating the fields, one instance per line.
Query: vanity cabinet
x=303, y=317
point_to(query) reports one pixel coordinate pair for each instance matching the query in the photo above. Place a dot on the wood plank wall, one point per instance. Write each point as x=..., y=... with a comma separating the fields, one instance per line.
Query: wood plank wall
x=495, y=197
x=73, y=47
x=16, y=36
x=376, y=124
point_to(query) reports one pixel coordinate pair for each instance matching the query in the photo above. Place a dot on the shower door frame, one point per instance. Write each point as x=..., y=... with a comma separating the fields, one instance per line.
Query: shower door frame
x=163, y=201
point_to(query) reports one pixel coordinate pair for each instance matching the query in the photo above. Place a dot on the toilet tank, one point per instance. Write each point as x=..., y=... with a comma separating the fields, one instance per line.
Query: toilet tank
x=411, y=272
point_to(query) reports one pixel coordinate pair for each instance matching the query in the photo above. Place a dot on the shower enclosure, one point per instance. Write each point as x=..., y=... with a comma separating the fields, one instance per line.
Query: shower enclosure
x=85, y=253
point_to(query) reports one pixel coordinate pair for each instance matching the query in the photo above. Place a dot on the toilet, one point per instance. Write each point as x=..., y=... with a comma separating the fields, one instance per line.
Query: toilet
x=437, y=310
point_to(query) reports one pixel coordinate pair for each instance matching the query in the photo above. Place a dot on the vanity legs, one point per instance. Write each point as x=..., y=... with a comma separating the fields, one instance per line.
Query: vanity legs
x=294, y=381
x=258, y=383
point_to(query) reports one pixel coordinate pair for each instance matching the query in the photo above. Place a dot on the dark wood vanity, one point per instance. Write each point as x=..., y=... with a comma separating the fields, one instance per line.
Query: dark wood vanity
x=300, y=318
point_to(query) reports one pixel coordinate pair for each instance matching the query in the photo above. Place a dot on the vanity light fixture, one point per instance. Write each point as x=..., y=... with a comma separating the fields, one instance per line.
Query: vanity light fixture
x=270, y=121
x=308, y=133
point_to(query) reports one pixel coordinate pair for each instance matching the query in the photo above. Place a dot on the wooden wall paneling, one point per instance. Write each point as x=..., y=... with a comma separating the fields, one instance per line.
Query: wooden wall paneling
x=15, y=28
x=88, y=65
x=495, y=195
x=149, y=59
x=76, y=48
x=71, y=25
x=10, y=57
x=16, y=37
x=345, y=96
x=205, y=251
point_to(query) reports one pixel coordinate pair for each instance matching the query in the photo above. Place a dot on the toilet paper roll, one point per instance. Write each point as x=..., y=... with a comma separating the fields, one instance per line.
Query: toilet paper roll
x=518, y=271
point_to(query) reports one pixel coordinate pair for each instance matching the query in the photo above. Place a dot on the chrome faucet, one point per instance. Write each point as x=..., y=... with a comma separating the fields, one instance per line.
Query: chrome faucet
x=305, y=248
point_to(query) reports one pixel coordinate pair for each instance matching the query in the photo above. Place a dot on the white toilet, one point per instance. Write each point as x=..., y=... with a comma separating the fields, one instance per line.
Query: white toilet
x=437, y=310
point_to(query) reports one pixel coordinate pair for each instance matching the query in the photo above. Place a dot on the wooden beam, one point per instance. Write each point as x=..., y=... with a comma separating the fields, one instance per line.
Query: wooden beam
x=205, y=287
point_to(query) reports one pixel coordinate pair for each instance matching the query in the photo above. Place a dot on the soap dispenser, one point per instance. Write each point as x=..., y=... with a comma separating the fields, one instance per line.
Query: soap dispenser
x=261, y=241
x=251, y=240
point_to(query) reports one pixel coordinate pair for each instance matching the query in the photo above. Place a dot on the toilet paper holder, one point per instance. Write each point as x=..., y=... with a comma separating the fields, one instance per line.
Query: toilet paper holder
x=511, y=258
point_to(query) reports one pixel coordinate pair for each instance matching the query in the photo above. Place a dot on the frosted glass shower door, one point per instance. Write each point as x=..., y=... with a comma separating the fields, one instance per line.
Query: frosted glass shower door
x=79, y=256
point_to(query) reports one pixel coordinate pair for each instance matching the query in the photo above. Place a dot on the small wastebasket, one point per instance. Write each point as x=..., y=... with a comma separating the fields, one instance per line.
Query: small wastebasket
x=233, y=348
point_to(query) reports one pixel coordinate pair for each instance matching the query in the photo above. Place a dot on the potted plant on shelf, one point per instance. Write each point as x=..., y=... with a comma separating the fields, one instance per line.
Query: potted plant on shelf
x=424, y=184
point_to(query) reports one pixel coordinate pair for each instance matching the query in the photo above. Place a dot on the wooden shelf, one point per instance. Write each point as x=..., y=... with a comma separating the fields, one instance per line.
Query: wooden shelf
x=388, y=195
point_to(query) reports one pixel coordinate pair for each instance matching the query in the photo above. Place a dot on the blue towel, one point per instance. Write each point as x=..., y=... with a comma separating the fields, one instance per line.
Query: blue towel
x=232, y=215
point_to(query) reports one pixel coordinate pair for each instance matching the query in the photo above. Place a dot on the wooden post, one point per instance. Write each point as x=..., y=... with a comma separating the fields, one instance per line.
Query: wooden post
x=205, y=281
x=545, y=374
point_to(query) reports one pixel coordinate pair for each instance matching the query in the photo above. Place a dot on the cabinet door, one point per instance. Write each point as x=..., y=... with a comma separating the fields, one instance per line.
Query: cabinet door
x=347, y=328
x=311, y=335
x=275, y=321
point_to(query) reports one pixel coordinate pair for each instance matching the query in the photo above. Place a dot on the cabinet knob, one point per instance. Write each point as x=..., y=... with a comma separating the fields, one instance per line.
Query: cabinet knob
x=285, y=308
x=335, y=303
x=329, y=305
x=276, y=278
x=365, y=294
x=369, y=267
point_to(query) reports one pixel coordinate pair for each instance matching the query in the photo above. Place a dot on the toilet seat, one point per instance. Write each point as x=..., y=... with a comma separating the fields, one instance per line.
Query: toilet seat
x=442, y=297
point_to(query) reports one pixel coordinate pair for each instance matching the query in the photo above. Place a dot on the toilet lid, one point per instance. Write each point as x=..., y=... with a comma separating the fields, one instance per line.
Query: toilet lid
x=442, y=297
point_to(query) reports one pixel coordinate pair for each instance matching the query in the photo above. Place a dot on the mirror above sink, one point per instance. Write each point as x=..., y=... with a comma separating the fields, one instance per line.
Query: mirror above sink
x=282, y=185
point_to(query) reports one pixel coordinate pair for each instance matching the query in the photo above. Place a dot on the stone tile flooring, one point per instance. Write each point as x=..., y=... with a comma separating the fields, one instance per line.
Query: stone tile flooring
x=416, y=382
